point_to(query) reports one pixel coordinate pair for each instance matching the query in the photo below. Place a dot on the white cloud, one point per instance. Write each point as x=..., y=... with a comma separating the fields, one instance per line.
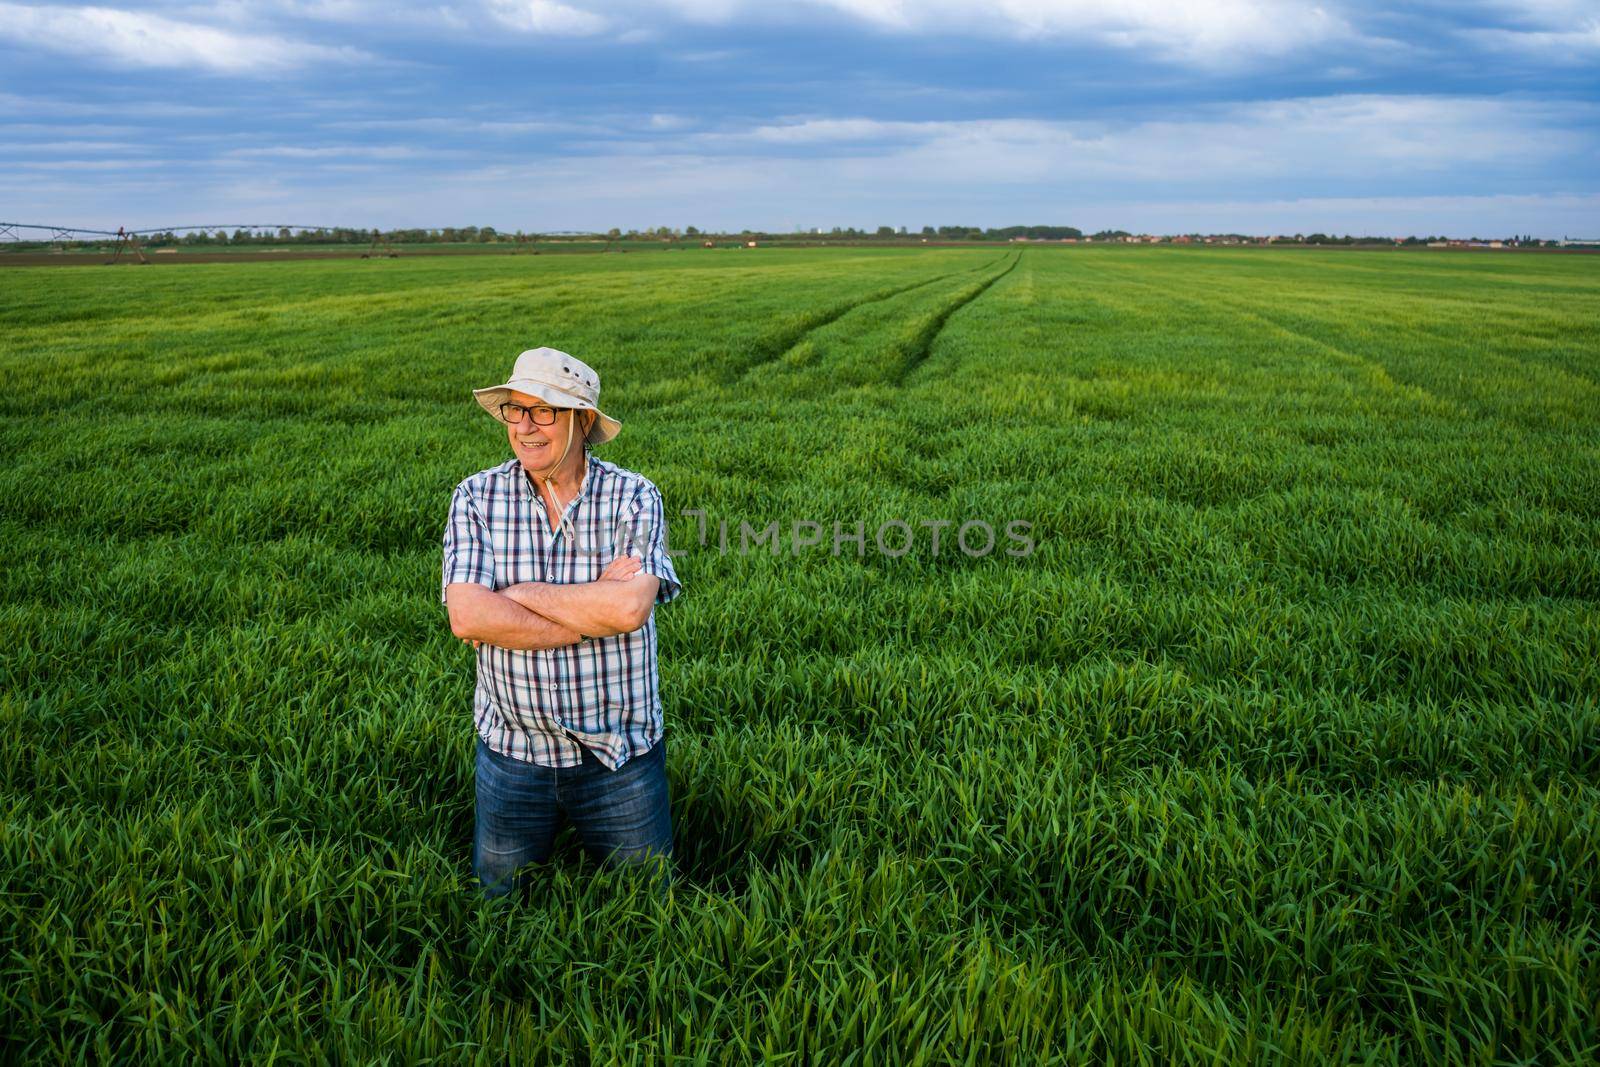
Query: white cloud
x=355, y=11
x=715, y=11
x=1547, y=14
x=604, y=125
x=1576, y=45
x=262, y=35
x=352, y=153
x=825, y=131
x=82, y=164
x=1496, y=215
x=139, y=39
x=1161, y=175
x=716, y=191
x=1353, y=135
x=80, y=146
x=66, y=130
x=1201, y=32
x=547, y=17
x=446, y=126
x=1190, y=31
x=37, y=106
x=715, y=55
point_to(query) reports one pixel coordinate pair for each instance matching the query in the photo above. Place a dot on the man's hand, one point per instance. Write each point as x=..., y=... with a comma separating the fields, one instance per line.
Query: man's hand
x=621, y=569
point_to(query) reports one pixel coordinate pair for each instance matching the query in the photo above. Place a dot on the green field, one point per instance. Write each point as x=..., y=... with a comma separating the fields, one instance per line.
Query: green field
x=1282, y=746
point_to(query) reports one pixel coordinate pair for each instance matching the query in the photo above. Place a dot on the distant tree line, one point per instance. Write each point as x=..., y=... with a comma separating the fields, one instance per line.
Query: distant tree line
x=335, y=235
x=1324, y=239
x=489, y=235
x=852, y=233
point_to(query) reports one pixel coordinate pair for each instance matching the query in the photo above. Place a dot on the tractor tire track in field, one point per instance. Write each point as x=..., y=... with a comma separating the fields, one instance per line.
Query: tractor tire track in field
x=1374, y=370
x=785, y=342
x=921, y=343
x=1567, y=377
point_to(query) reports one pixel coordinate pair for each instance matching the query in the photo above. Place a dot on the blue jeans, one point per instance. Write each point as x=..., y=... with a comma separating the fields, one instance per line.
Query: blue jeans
x=621, y=816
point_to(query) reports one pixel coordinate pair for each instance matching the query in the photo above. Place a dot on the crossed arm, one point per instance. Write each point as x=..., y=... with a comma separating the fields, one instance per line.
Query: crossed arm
x=538, y=615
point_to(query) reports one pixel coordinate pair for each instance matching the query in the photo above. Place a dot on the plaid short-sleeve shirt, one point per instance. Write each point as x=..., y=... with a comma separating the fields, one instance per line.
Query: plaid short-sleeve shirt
x=601, y=693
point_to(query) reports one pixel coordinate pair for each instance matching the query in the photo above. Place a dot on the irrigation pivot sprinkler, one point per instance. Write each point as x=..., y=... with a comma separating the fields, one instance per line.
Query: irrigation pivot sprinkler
x=130, y=241
x=380, y=247
x=126, y=242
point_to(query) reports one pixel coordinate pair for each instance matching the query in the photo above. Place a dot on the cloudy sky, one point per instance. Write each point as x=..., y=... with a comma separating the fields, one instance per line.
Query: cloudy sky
x=1469, y=117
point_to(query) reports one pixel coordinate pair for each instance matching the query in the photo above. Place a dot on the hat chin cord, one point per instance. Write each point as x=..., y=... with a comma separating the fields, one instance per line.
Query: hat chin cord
x=548, y=475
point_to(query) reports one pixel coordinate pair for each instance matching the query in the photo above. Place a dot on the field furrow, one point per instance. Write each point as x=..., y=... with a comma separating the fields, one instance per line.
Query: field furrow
x=793, y=334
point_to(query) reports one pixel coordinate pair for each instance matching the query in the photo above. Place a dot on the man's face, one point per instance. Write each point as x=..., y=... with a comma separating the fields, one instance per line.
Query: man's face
x=537, y=446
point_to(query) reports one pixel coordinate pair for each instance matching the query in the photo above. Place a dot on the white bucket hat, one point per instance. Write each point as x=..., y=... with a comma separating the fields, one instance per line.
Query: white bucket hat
x=560, y=381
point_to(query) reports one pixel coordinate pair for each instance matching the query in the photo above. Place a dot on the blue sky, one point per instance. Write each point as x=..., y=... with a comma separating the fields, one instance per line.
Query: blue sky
x=1260, y=116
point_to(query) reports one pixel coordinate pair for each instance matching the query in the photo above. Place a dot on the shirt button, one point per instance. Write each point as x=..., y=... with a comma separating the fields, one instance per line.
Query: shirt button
x=549, y=577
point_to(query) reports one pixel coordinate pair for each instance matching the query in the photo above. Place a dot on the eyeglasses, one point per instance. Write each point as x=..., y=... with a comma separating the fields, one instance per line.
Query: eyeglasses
x=542, y=414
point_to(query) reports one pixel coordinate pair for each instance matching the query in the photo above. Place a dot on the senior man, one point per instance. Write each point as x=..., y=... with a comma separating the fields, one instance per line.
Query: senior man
x=553, y=563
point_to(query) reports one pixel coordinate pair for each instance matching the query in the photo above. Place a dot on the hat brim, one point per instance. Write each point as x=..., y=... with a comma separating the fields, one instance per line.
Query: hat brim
x=490, y=399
